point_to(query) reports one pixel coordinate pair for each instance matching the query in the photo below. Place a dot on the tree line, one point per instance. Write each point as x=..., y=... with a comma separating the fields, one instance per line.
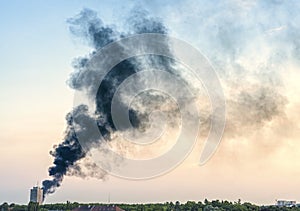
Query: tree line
x=214, y=205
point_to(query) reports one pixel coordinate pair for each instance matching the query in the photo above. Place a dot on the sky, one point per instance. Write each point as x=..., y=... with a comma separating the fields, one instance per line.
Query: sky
x=254, y=48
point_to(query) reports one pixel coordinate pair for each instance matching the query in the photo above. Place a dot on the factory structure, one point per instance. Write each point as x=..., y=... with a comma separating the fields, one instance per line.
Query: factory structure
x=98, y=208
x=286, y=203
x=36, y=195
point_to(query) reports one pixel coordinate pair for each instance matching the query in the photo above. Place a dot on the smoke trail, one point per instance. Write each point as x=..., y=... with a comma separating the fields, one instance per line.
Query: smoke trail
x=253, y=96
x=253, y=49
x=88, y=26
x=67, y=153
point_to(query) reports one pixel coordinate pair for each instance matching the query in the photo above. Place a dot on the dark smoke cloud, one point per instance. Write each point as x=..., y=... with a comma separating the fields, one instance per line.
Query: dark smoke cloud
x=253, y=94
x=87, y=26
x=66, y=154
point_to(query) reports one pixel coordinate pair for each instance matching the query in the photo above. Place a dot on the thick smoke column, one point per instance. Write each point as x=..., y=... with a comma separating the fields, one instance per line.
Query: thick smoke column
x=253, y=96
x=65, y=154
x=88, y=26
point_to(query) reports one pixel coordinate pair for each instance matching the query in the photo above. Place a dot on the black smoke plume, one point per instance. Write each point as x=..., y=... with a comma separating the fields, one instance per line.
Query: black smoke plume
x=88, y=26
x=250, y=103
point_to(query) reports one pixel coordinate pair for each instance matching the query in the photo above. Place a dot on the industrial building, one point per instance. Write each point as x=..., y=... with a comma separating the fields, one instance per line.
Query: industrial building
x=36, y=195
x=98, y=208
x=285, y=203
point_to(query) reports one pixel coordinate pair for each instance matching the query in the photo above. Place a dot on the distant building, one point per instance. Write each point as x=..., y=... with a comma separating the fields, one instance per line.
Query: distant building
x=285, y=203
x=36, y=195
x=98, y=208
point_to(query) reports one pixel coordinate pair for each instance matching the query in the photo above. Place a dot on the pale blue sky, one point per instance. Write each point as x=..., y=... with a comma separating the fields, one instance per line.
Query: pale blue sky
x=256, y=42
